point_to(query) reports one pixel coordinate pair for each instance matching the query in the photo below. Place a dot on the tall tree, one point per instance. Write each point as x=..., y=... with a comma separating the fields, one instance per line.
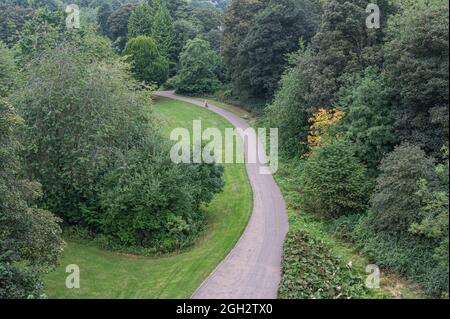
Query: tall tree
x=118, y=25
x=13, y=18
x=30, y=238
x=103, y=13
x=275, y=32
x=199, y=68
x=417, y=56
x=162, y=29
x=140, y=22
x=237, y=22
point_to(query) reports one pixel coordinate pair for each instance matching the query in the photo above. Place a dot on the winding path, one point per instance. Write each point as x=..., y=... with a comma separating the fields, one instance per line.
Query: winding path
x=252, y=270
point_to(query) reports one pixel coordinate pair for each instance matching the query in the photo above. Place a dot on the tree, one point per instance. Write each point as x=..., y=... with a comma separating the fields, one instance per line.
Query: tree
x=154, y=203
x=207, y=18
x=30, y=238
x=7, y=71
x=44, y=31
x=140, y=22
x=434, y=211
x=275, y=32
x=394, y=203
x=237, y=22
x=184, y=31
x=162, y=30
x=289, y=110
x=13, y=18
x=79, y=114
x=342, y=48
x=148, y=64
x=417, y=66
x=198, y=68
x=118, y=25
x=333, y=182
x=103, y=13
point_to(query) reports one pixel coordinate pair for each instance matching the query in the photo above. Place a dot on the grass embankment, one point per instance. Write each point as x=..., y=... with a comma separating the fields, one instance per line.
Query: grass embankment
x=106, y=274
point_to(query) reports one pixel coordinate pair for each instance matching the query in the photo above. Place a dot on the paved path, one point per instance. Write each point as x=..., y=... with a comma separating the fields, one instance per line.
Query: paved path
x=252, y=269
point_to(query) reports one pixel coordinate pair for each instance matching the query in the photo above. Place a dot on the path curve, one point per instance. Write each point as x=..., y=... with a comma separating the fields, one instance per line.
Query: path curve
x=252, y=270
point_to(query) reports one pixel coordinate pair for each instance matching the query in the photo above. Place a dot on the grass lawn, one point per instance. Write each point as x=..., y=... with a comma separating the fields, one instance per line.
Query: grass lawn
x=110, y=275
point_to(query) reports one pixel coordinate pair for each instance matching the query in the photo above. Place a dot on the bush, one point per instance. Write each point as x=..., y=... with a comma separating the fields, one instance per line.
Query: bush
x=310, y=270
x=394, y=203
x=344, y=226
x=406, y=254
x=333, y=182
x=154, y=203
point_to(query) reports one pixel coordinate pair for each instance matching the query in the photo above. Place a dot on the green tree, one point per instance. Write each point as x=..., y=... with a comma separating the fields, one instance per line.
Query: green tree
x=148, y=64
x=333, y=182
x=8, y=70
x=199, y=65
x=44, y=31
x=394, y=203
x=417, y=66
x=103, y=13
x=154, y=203
x=274, y=32
x=30, y=238
x=79, y=114
x=184, y=31
x=13, y=18
x=369, y=120
x=237, y=23
x=140, y=22
x=434, y=211
x=162, y=29
x=289, y=111
x=118, y=25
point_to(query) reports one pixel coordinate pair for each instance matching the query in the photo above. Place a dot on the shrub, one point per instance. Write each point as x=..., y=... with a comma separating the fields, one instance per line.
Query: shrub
x=333, y=182
x=7, y=70
x=409, y=255
x=154, y=203
x=310, y=270
x=394, y=203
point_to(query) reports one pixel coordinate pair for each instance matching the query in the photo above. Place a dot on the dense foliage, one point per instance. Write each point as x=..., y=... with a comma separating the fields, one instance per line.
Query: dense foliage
x=258, y=35
x=30, y=238
x=148, y=64
x=392, y=85
x=311, y=271
x=200, y=69
x=333, y=181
